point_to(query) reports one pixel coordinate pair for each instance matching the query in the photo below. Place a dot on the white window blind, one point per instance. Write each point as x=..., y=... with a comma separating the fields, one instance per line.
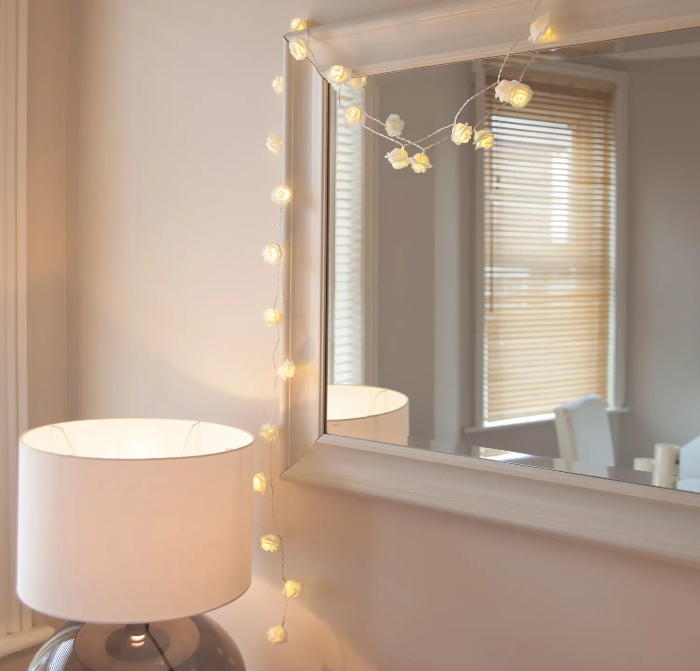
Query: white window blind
x=549, y=235
x=348, y=304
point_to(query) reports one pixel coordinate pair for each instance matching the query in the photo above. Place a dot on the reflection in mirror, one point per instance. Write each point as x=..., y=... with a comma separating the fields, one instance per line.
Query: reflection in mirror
x=535, y=302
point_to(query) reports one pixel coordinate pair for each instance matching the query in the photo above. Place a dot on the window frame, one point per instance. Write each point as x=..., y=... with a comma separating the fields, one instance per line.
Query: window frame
x=617, y=368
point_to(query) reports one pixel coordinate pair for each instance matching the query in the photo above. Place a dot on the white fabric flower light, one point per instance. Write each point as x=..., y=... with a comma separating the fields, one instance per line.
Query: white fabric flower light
x=287, y=370
x=269, y=432
x=270, y=543
x=259, y=483
x=513, y=92
x=298, y=24
x=271, y=254
x=292, y=588
x=338, y=74
x=274, y=143
x=540, y=29
x=483, y=139
x=272, y=317
x=398, y=158
x=394, y=125
x=278, y=85
x=461, y=133
x=299, y=48
x=277, y=635
x=281, y=194
x=355, y=115
x=358, y=83
x=420, y=163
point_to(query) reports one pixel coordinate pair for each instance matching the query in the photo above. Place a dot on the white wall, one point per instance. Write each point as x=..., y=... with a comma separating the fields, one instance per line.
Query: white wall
x=170, y=106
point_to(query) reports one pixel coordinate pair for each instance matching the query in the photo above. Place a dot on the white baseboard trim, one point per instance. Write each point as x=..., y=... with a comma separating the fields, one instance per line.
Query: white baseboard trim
x=24, y=639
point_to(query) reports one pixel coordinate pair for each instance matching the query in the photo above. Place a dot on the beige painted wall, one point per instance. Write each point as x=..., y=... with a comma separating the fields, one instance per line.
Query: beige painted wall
x=168, y=209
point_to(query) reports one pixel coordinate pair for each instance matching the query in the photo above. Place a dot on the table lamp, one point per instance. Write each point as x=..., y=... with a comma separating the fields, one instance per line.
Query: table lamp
x=131, y=529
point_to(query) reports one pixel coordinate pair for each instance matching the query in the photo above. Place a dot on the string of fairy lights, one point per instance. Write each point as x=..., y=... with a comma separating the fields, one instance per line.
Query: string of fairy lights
x=509, y=92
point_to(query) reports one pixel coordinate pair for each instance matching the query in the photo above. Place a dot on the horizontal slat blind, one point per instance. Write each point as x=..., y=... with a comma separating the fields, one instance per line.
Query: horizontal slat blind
x=549, y=208
x=348, y=283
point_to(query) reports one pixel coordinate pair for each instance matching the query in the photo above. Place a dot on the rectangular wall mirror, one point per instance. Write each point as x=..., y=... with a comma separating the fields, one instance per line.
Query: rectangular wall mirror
x=536, y=302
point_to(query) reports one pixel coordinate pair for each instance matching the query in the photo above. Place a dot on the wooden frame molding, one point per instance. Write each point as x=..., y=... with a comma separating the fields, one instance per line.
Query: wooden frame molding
x=650, y=521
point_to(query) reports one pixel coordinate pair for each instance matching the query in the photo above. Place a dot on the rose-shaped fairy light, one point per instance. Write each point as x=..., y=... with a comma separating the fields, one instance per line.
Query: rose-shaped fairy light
x=298, y=24
x=299, y=48
x=287, y=370
x=271, y=254
x=513, y=92
x=394, y=125
x=278, y=85
x=398, y=158
x=292, y=588
x=277, y=635
x=281, y=194
x=355, y=115
x=270, y=543
x=461, y=133
x=272, y=317
x=274, y=143
x=540, y=30
x=420, y=163
x=259, y=483
x=338, y=74
x=483, y=139
x=269, y=432
x=358, y=83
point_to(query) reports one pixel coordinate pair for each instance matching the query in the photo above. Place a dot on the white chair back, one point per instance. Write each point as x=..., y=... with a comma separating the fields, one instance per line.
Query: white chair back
x=583, y=431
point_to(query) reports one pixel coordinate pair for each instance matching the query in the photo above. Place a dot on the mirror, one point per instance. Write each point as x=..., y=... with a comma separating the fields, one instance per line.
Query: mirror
x=535, y=302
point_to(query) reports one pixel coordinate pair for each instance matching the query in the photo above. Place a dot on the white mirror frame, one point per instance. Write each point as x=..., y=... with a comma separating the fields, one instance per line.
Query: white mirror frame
x=650, y=521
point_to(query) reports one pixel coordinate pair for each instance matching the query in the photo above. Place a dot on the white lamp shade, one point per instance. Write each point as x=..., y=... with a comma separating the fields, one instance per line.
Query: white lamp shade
x=369, y=413
x=133, y=520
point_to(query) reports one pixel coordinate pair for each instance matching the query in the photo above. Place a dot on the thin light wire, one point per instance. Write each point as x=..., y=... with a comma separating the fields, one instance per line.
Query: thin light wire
x=65, y=435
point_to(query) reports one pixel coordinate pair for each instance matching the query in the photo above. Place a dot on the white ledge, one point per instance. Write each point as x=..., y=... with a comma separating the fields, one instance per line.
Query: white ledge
x=24, y=640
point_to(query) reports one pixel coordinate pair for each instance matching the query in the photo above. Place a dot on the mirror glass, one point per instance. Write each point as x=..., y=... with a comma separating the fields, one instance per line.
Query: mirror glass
x=535, y=302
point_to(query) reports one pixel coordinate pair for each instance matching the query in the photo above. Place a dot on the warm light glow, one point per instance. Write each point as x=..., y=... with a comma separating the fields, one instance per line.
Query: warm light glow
x=272, y=317
x=281, y=194
x=277, y=635
x=398, y=158
x=270, y=543
x=394, y=125
x=259, y=483
x=274, y=143
x=287, y=370
x=135, y=638
x=271, y=254
x=461, y=133
x=420, y=163
x=540, y=30
x=299, y=48
x=269, y=432
x=338, y=74
x=358, y=83
x=298, y=24
x=292, y=589
x=514, y=92
x=355, y=115
x=483, y=139
x=278, y=85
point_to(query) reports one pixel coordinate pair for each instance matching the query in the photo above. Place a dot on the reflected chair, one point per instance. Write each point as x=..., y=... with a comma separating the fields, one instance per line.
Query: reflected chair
x=583, y=431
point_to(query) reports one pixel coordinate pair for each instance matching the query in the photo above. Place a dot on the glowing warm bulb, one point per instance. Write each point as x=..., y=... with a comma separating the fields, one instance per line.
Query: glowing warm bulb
x=483, y=139
x=270, y=543
x=521, y=95
x=461, y=133
x=135, y=638
x=271, y=254
x=292, y=588
x=259, y=483
x=355, y=115
x=298, y=24
x=338, y=74
x=277, y=635
x=420, y=163
x=278, y=85
x=274, y=143
x=540, y=30
x=272, y=317
x=398, y=158
x=358, y=83
x=299, y=48
x=287, y=370
x=281, y=194
x=269, y=432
